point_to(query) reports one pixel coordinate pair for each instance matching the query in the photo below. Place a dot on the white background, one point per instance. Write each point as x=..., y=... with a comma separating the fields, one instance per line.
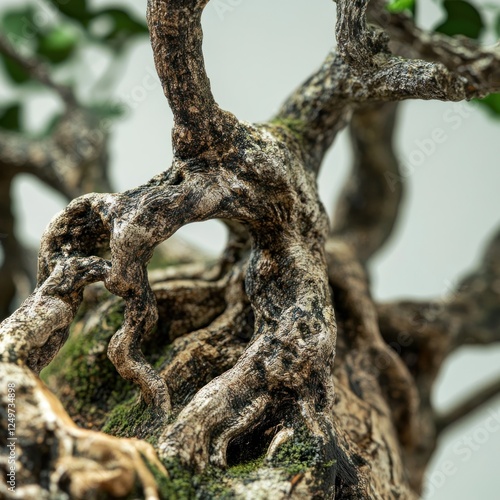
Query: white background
x=257, y=52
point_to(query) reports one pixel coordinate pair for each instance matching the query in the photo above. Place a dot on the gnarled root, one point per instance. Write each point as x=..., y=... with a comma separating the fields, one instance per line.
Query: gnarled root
x=290, y=365
x=51, y=454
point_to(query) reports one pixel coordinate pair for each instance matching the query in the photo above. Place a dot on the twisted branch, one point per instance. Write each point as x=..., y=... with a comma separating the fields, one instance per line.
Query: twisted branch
x=176, y=38
x=368, y=206
x=479, y=65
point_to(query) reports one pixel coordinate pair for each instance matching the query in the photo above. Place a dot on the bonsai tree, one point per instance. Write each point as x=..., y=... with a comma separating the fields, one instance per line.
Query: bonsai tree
x=268, y=373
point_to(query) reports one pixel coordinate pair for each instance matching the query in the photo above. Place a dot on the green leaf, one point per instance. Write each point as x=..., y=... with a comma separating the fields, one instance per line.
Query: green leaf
x=122, y=26
x=462, y=19
x=75, y=9
x=58, y=44
x=491, y=103
x=18, y=26
x=497, y=25
x=107, y=110
x=15, y=72
x=10, y=117
x=396, y=6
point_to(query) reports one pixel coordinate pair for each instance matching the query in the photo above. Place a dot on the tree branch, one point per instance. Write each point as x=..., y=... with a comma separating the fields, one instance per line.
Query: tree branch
x=468, y=406
x=176, y=38
x=368, y=206
x=38, y=71
x=359, y=44
x=479, y=65
x=470, y=315
x=363, y=70
x=73, y=160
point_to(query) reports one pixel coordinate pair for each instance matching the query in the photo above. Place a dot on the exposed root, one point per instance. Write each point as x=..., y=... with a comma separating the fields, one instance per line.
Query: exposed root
x=185, y=305
x=82, y=463
x=198, y=357
x=233, y=402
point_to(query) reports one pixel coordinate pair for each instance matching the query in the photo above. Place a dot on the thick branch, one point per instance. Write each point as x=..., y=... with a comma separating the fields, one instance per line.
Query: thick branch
x=73, y=160
x=176, y=38
x=358, y=315
x=479, y=65
x=469, y=316
x=358, y=43
x=363, y=70
x=369, y=204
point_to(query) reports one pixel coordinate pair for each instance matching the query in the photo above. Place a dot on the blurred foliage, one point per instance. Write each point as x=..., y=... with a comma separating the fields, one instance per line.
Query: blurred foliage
x=122, y=27
x=396, y=6
x=10, y=117
x=74, y=9
x=57, y=39
x=492, y=105
x=15, y=72
x=58, y=44
x=462, y=18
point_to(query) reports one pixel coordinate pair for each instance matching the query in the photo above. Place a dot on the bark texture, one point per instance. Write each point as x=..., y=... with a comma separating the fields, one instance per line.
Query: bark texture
x=269, y=373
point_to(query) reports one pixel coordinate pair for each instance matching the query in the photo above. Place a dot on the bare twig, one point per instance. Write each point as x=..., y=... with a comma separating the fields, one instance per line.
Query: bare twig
x=468, y=406
x=38, y=71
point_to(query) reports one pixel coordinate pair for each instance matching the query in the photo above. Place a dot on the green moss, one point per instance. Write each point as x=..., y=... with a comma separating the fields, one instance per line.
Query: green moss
x=298, y=454
x=178, y=485
x=211, y=486
x=214, y=482
x=296, y=127
x=245, y=469
x=135, y=419
x=84, y=378
x=182, y=484
x=124, y=418
x=87, y=382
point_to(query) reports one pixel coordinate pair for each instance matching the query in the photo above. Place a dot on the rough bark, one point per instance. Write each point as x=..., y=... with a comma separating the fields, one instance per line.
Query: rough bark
x=270, y=373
